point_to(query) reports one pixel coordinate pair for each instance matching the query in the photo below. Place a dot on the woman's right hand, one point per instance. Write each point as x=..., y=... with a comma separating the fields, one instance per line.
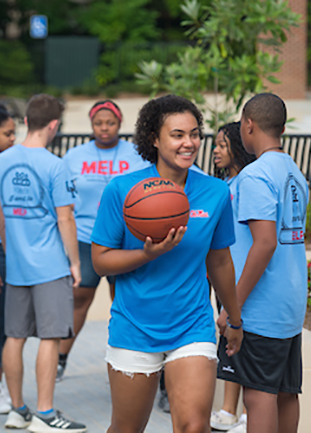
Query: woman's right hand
x=173, y=238
x=110, y=261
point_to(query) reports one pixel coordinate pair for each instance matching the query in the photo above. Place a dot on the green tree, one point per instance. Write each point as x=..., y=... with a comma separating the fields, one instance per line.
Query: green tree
x=119, y=24
x=169, y=16
x=120, y=20
x=133, y=20
x=228, y=54
x=13, y=53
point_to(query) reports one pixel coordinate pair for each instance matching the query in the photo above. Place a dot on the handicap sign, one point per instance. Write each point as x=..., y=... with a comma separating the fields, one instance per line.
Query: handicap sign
x=38, y=26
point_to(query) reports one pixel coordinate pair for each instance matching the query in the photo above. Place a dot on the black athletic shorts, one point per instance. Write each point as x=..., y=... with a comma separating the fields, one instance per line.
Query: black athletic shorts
x=270, y=365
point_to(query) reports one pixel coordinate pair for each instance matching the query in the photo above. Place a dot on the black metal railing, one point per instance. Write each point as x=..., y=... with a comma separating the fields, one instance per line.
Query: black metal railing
x=298, y=146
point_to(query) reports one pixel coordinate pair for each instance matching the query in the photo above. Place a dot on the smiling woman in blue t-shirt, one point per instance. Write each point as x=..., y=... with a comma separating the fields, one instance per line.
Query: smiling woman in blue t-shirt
x=161, y=314
x=92, y=166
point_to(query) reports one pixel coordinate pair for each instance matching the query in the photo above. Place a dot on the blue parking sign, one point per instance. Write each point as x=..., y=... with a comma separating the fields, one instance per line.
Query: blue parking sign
x=38, y=26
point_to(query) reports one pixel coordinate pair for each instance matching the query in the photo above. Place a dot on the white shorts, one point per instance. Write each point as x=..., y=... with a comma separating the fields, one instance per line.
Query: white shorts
x=132, y=361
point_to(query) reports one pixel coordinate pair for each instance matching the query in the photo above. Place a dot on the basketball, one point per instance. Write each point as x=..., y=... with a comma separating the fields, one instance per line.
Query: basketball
x=153, y=206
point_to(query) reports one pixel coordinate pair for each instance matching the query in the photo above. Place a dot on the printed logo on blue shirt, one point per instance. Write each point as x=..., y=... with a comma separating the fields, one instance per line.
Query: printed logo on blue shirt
x=71, y=187
x=200, y=213
x=295, y=204
x=22, y=193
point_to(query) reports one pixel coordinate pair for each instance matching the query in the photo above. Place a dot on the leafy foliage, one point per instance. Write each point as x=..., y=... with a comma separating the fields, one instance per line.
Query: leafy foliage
x=119, y=62
x=16, y=66
x=120, y=20
x=228, y=55
x=217, y=30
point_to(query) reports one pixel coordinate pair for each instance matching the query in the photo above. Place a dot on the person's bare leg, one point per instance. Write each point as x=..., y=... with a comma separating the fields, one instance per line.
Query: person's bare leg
x=231, y=397
x=132, y=400
x=288, y=405
x=12, y=359
x=83, y=298
x=262, y=411
x=190, y=384
x=46, y=369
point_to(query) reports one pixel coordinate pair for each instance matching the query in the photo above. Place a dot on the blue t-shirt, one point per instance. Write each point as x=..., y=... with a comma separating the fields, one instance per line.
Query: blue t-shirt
x=273, y=189
x=165, y=304
x=33, y=183
x=92, y=169
x=239, y=249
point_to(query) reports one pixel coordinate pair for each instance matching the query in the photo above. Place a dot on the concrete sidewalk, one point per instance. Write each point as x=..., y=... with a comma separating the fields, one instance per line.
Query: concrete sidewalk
x=84, y=394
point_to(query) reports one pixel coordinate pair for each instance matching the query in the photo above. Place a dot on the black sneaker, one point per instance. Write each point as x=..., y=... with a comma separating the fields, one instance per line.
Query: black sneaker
x=18, y=419
x=163, y=402
x=56, y=423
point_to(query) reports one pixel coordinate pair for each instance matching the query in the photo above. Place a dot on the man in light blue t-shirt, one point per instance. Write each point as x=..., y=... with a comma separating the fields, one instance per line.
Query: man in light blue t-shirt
x=40, y=231
x=272, y=196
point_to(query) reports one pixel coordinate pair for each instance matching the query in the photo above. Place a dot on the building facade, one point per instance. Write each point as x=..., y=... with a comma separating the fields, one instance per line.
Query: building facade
x=293, y=74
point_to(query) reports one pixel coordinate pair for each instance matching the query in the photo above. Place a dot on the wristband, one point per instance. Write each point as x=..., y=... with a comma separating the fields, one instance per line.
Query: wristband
x=233, y=326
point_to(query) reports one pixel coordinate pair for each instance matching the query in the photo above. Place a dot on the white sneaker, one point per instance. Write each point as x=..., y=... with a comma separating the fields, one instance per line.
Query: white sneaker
x=241, y=426
x=5, y=400
x=18, y=420
x=221, y=421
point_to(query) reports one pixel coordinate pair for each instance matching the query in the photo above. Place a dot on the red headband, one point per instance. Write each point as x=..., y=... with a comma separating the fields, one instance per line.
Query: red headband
x=108, y=106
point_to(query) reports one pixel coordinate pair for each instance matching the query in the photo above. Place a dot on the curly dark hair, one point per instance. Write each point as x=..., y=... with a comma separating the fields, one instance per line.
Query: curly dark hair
x=151, y=118
x=240, y=157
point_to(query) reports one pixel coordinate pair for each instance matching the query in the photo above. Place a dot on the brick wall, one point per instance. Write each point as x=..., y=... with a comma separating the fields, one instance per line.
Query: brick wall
x=293, y=74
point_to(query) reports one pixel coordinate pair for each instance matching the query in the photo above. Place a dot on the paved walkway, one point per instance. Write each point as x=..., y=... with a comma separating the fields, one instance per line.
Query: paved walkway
x=84, y=394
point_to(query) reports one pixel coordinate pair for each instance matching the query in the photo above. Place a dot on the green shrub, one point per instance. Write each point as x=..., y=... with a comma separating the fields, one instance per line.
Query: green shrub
x=27, y=90
x=119, y=63
x=89, y=88
x=16, y=64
